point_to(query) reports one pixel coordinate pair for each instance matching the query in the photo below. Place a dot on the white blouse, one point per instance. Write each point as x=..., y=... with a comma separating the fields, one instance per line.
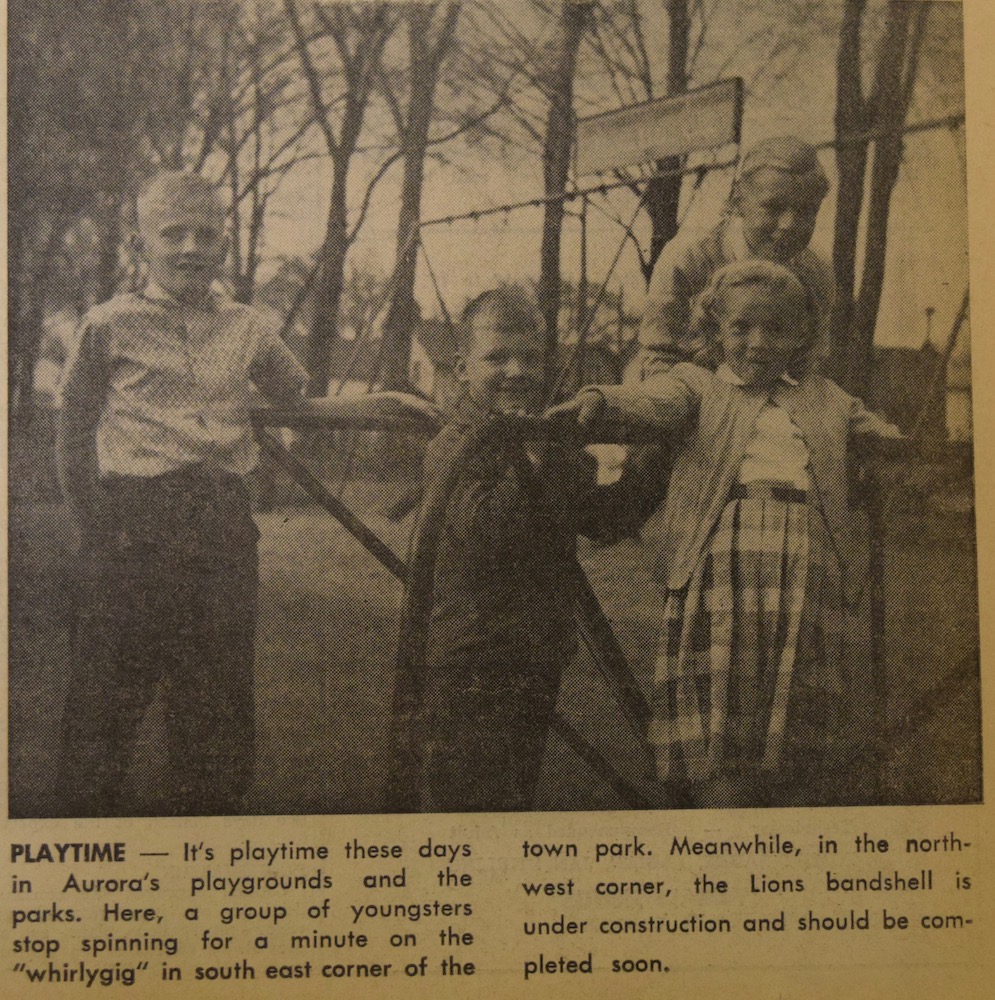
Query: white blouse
x=777, y=451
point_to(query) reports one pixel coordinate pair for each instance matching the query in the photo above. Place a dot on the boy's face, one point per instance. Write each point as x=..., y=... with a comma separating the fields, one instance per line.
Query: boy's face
x=183, y=242
x=779, y=210
x=502, y=370
x=760, y=332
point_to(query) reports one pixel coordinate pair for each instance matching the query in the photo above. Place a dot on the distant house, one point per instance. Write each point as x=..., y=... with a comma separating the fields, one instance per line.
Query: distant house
x=433, y=356
x=595, y=365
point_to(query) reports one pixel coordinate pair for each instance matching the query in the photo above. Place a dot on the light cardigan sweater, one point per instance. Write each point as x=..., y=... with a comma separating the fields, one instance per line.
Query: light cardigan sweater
x=715, y=421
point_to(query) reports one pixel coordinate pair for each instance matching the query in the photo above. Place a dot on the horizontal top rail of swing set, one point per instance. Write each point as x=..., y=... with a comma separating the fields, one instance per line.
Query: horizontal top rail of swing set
x=323, y=415
x=318, y=415
x=948, y=121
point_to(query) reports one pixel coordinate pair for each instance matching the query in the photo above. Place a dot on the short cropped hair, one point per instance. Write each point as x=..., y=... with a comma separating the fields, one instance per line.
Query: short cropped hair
x=788, y=154
x=511, y=306
x=178, y=187
x=780, y=282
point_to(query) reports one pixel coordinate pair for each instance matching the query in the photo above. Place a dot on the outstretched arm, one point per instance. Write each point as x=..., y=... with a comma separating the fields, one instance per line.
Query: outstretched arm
x=382, y=404
x=282, y=378
x=585, y=409
x=664, y=403
x=275, y=370
x=311, y=412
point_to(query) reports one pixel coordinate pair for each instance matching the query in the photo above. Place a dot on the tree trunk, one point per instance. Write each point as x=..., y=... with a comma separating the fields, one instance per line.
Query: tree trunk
x=556, y=163
x=360, y=33
x=328, y=287
x=851, y=166
x=855, y=313
x=663, y=194
x=425, y=60
x=899, y=59
x=402, y=312
x=110, y=244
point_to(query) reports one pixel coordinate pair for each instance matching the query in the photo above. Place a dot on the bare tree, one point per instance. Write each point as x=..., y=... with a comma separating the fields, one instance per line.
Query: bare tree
x=883, y=113
x=558, y=142
x=71, y=139
x=358, y=34
x=259, y=134
x=619, y=45
x=853, y=117
x=539, y=47
x=430, y=35
x=663, y=194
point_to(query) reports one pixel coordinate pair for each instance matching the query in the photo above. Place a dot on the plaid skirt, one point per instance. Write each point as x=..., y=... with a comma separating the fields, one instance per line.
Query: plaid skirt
x=750, y=670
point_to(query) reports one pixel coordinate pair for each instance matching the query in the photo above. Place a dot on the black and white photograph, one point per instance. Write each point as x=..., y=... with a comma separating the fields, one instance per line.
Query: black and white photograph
x=489, y=407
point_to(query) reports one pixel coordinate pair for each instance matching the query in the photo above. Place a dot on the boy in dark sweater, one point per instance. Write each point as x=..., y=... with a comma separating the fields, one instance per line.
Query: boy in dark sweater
x=501, y=627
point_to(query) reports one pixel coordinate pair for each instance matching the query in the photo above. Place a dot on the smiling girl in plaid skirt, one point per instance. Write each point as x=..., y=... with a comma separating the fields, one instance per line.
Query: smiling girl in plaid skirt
x=760, y=556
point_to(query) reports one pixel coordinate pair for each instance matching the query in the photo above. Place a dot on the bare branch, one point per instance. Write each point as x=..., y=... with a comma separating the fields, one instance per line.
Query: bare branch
x=616, y=69
x=318, y=109
x=368, y=195
x=389, y=95
x=645, y=67
x=470, y=123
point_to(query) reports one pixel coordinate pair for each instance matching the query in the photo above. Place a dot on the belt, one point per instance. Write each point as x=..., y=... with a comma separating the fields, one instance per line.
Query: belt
x=186, y=477
x=768, y=491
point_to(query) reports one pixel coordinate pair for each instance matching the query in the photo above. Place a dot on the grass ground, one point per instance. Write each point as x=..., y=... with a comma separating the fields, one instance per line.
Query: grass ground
x=325, y=656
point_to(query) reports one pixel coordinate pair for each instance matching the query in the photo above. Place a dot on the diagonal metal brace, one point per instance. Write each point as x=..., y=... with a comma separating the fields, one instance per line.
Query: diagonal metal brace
x=317, y=490
x=402, y=793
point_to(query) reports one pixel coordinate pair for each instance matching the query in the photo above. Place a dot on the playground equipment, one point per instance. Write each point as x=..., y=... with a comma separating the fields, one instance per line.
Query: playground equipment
x=721, y=105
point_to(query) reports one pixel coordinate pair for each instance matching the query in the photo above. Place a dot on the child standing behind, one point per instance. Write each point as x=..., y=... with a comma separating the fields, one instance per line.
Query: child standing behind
x=501, y=625
x=759, y=554
x=154, y=443
x=771, y=216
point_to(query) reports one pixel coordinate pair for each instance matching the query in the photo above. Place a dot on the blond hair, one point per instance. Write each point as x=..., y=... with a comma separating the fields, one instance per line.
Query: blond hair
x=780, y=282
x=787, y=154
x=169, y=188
x=511, y=305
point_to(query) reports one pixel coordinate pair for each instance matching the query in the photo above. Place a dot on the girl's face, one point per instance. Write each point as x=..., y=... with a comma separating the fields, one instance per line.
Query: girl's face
x=760, y=332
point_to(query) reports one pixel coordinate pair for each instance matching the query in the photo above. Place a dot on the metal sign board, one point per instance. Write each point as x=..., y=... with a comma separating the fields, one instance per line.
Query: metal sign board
x=705, y=118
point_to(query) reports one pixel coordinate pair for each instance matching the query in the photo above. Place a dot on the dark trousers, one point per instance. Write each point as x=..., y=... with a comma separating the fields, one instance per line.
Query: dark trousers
x=167, y=600
x=486, y=725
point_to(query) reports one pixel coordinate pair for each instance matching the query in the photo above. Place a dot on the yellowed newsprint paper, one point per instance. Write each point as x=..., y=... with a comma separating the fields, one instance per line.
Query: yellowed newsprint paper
x=261, y=767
